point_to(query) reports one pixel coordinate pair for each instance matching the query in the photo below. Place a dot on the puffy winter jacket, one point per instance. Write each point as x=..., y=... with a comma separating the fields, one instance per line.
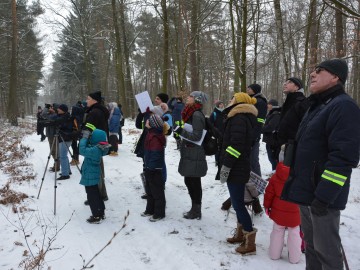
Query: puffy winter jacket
x=327, y=149
x=239, y=126
x=282, y=212
x=261, y=106
x=193, y=160
x=154, y=147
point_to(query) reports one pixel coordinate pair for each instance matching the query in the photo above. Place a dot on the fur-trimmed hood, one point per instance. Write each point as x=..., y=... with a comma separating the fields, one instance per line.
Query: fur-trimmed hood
x=242, y=108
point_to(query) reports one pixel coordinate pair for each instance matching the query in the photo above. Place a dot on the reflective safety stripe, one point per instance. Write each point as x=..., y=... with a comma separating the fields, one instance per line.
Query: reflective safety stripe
x=261, y=120
x=334, y=177
x=91, y=126
x=233, y=152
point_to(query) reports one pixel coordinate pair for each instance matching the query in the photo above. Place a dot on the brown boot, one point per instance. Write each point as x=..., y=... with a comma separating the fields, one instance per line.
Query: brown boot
x=238, y=235
x=226, y=205
x=74, y=162
x=248, y=247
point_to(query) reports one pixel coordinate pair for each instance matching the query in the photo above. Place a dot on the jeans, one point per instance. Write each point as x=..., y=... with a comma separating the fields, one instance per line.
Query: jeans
x=237, y=191
x=64, y=160
x=323, y=242
x=271, y=156
x=254, y=158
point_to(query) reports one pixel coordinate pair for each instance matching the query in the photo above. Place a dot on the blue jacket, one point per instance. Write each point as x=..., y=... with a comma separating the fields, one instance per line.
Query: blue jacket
x=327, y=149
x=92, y=151
x=154, y=149
x=114, y=121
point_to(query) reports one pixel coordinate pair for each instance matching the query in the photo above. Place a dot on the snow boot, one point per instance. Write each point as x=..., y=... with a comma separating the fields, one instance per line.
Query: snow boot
x=238, y=236
x=74, y=162
x=248, y=247
x=256, y=206
x=226, y=205
x=194, y=213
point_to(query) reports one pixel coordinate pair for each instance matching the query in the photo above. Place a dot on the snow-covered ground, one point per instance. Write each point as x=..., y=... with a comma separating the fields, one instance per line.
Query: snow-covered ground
x=172, y=243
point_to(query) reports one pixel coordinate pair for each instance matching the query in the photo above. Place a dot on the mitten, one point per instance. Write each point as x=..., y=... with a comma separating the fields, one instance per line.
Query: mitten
x=318, y=208
x=224, y=174
x=86, y=133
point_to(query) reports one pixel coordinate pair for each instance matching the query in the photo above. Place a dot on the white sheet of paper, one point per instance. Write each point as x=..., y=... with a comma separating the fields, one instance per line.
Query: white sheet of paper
x=189, y=128
x=143, y=100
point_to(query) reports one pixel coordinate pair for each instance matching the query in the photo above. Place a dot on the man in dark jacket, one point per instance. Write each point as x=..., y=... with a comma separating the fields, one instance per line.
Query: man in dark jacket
x=327, y=150
x=254, y=90
x=96, y=117
x=271, y=124
x=292, y=112
x=217, y=120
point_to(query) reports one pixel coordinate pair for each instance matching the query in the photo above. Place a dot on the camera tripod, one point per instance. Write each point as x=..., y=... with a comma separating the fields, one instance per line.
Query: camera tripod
x=55, y=144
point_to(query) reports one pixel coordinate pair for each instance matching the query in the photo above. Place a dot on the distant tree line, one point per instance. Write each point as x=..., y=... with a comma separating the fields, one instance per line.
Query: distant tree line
x=124, y=47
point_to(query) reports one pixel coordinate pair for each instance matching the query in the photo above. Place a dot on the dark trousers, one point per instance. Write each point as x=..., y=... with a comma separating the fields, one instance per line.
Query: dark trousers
x=193, y=185
x=154, y=186
x=75, y=148
x=120, y=135
x=113, y=140
x=254, y=158
x=271, y=156
x=323, y=242
x=96, y=203
x=237, y=191
x=102, y=187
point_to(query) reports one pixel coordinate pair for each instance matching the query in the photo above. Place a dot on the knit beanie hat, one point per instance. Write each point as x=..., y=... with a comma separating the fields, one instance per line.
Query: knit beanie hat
x=217, y=103
x=255, y=87
x=63, y=107
x=296, y=81
x=155, y=121
x=157, y=110
x=199, y=96
x=97, y=136
x=244, y=98
x=164, y=97
x=96, y=96
x=273, y=102
x=337, y=67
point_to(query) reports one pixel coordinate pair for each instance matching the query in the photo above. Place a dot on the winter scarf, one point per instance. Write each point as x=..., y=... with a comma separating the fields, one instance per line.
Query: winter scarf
x=189, y=110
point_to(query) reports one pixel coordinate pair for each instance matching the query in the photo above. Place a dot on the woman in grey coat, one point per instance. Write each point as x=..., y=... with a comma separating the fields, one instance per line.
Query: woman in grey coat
x=193, y=164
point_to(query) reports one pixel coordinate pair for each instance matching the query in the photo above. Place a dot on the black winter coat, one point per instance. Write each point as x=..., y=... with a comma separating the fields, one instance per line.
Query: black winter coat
x=328, y=142
x=271, y=125
x=261, y=106
x=292, y=112
x=98, y=116
x=239, y=127
x=217, y=119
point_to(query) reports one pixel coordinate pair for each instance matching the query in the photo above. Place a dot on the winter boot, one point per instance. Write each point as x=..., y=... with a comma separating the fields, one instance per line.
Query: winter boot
x=226, y=205
x=194, y=213
x=74, y=162
x=238, y=235
x=256, y=206
x=248, y=247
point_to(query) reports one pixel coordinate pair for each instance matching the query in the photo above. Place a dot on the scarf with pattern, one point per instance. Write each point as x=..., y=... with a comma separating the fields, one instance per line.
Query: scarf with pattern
x=189, y=110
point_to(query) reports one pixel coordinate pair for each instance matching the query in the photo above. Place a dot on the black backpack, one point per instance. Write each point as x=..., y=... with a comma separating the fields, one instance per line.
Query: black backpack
x=210, y=143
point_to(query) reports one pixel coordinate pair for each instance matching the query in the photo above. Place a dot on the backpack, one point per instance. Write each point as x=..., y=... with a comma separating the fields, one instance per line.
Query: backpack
x=210, y=142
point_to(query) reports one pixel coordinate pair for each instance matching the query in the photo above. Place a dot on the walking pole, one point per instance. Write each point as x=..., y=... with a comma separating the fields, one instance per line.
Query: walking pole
x=47, y=163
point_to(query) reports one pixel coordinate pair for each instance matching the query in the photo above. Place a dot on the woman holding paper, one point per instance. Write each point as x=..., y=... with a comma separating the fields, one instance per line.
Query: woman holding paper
x=193, y=164
x=240, y=121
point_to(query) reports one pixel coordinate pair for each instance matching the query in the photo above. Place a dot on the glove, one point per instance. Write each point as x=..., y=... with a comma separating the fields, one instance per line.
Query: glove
x=319, y=208
x=86, y=133
x=267, y=211
x=177, y=129
x=224, y=174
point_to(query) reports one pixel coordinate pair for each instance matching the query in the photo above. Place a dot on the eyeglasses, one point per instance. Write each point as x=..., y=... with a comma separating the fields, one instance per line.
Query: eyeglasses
x=319, y=69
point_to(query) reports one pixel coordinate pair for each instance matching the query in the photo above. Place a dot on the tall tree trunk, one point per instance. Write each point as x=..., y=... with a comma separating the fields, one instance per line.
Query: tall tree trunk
x=166, y=61
x=119, y=61
x=339, y=32
x=12, y=108
x=356, y=61
x=194, y=68
x=243, y=46
x=235, y=41
x=280, y=31
x=128, y=83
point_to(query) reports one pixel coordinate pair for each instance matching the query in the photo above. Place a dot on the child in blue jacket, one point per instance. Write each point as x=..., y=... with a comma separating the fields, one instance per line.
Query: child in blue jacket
x=93, y=147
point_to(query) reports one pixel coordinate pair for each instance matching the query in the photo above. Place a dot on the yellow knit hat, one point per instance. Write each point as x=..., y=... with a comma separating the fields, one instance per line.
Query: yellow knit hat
x=244, y=98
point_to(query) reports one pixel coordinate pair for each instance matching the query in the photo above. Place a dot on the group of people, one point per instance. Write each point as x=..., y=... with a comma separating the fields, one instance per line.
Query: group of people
x=64, y=130
x=312, y=144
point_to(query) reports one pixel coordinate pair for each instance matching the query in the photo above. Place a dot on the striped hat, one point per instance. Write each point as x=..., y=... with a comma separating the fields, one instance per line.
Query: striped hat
x=155, y=121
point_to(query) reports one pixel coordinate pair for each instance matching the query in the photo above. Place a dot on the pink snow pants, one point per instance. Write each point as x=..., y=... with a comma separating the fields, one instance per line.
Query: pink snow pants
x=293, y=243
